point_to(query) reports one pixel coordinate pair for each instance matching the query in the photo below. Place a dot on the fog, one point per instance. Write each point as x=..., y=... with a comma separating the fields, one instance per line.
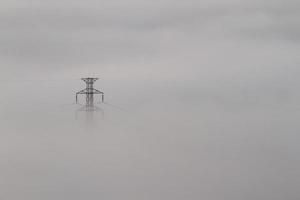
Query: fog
x=201, y=100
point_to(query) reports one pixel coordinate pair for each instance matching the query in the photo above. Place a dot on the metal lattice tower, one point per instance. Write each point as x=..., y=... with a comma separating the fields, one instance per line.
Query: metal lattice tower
x=89, y=92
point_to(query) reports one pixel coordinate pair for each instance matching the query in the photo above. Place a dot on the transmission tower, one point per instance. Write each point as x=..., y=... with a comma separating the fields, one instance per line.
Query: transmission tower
x=89, y=92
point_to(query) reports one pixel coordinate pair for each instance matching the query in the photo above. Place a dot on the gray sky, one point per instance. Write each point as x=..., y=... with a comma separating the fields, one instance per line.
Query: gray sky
x=210, y=90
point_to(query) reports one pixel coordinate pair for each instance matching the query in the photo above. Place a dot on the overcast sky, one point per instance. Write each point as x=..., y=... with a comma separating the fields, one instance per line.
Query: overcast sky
x=209, y=89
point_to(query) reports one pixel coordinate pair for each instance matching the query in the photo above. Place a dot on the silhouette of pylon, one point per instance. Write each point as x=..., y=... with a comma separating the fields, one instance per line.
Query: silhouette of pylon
x=89, y=92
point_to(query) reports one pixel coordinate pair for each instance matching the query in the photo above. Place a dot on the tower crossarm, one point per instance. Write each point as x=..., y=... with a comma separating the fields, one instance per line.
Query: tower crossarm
x=90, y=91
x=97, y=91
x=84, y=91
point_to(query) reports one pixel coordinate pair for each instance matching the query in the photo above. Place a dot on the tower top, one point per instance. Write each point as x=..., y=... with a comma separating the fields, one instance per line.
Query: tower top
x=89, y=80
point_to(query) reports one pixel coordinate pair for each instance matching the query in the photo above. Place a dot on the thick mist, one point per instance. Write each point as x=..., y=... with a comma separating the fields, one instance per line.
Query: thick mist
x=202, y=100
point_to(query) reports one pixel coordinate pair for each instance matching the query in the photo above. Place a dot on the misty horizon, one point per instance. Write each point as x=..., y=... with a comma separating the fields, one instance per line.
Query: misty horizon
x=201, y=100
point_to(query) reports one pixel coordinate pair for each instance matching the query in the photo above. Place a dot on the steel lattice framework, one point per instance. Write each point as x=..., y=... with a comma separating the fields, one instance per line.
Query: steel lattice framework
x=89, y=92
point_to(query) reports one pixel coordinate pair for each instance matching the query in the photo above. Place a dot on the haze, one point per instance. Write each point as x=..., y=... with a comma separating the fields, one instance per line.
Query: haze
x=205, y=99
